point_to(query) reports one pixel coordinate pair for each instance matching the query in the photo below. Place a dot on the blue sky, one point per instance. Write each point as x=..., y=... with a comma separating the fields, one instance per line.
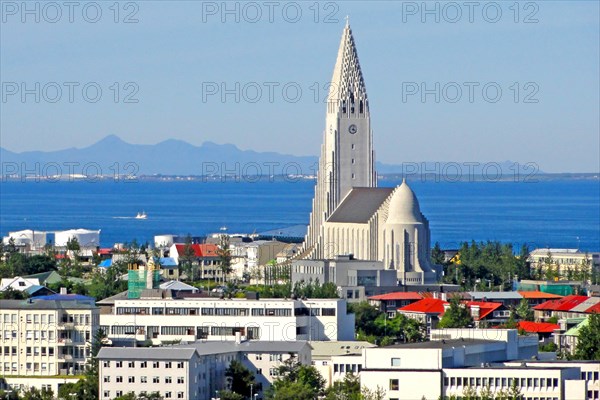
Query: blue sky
x=177, y=52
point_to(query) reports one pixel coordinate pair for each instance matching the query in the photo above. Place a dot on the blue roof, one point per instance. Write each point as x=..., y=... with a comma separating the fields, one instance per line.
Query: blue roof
x=106, y=263
x=168, y=262
x=66, y=297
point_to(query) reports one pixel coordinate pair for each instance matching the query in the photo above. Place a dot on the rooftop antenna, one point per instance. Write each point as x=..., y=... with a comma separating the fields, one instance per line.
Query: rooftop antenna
x=347, y=20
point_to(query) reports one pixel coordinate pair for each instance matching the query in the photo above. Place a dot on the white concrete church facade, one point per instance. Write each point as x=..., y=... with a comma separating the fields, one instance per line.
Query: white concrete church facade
x=351, y=215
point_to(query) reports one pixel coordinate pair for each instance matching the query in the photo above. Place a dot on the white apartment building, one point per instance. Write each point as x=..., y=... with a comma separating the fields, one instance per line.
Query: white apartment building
x=456, y=361
x=158, y=319
x=45, y=337
x=192, y=372
x=564, y=259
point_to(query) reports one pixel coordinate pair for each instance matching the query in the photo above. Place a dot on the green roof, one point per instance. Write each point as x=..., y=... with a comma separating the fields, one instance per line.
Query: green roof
x=574, y=331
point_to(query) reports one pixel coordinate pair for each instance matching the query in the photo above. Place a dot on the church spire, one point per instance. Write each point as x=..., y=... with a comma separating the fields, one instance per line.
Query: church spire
x=347, y=88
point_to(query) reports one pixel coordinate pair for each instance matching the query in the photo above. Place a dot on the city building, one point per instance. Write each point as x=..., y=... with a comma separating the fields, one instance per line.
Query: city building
x=567, y=307
x=536, y=297
x=192, y=371
x=565, y=262
x=46, y=337
x=354, y=278
x=456, y=361
x=391, y=302
x=325, y=353
x=350, y=214
x=204, y=257
x=157, y=317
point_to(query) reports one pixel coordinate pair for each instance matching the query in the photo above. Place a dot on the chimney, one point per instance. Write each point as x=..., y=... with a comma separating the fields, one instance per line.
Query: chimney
x=63, y=290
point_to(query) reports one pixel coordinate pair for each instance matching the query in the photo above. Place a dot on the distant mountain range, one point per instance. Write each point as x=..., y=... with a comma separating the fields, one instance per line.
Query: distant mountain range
x=112, y=155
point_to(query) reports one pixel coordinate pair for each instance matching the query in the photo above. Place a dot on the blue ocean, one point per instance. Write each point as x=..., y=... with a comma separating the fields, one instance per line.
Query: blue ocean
x=554, y=213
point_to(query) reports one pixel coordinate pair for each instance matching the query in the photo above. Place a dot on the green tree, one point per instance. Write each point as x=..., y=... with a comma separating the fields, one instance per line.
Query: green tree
x=524, y=311
x=224, y=254
x=456, y=316
x=514, y=392
x=241, y=378
x=229, y=395
x=12, y=294
x=588, y=340
x=364, y=318
x=348, y=389
x=303, y=380
x=437, y=254
x=188, y=258
x=33, y=393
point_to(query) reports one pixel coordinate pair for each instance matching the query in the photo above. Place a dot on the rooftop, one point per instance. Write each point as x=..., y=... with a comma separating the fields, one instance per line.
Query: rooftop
x=327, y=349
x=441, y=344
x=38, y=303
x=359, y=205
x=566, y=303
x=495, y=295
x=536, y=294
x=398, y=296
x=186, y=351
x=426, y=306
x=538, y=327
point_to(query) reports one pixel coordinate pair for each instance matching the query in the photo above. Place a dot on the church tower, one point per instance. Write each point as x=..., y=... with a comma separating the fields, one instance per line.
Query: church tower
x=347, y=158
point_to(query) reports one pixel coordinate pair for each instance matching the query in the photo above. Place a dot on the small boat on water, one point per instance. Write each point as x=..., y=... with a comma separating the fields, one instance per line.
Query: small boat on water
x=141, y=215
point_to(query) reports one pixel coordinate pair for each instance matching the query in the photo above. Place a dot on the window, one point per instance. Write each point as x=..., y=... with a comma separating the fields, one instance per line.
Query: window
x=180, y=379
x=156, y=379
x=119, y=364
x=259, y=356
x=155, y=364
x=119, y=393
x=144, y=364
x=106, y=378
x=168, y=364
x=328, y=312
x=180, y=365
x=131, y=364
x=143, y=379
x=119, y=379
x=180, y=395
x=394, y=385
x=131, y=379
x=107, y=393
x=168, y=395
x=395, y=362
x=168, y=379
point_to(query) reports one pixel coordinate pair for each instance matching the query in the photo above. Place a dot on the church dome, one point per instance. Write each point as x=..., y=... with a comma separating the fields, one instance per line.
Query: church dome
x=404, y=206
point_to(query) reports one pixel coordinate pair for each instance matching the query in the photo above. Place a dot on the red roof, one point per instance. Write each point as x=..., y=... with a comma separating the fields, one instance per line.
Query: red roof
x=105, y=251
x=536, y=294
x=593, y=309
x=485, y=307
x=426, y=306
x=200, y=250
x=564, y=304
x=538, y=327
x=398, y=296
